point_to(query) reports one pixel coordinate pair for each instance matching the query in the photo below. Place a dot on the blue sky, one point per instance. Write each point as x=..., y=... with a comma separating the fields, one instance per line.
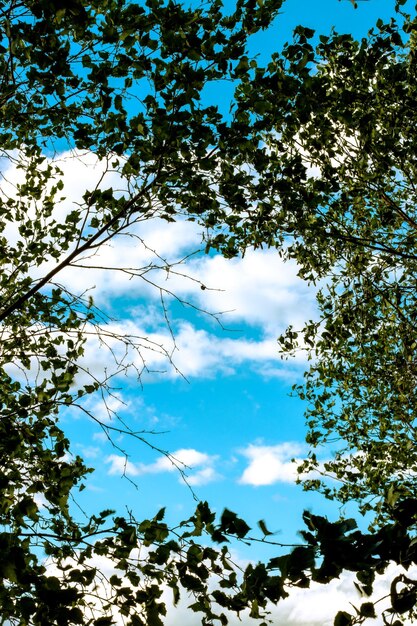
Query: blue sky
x=228, y=415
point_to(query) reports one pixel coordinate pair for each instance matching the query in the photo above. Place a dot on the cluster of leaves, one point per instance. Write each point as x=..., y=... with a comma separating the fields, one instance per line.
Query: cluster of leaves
x=127, y=81
x=147, y=559
x=361, y=388
x=338, y=181
x=124, y=81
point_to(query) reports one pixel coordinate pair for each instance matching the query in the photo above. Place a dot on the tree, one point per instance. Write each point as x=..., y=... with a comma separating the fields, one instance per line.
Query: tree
x=124, y=81
x=121, y=81
x=338, y=189
x=339, y=192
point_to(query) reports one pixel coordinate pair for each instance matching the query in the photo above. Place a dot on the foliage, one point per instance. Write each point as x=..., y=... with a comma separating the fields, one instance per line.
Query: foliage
x=123, y=81
x=126, y=81
x=338, y=119
x=362, y=386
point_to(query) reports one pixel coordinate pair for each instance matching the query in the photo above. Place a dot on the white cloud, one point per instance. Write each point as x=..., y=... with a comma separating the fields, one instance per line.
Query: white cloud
x=315, y=606
x=147, y=249
x=121, y=465
x=259, y=289
x=190, y=352
x=203, y=354
x=185, y=459
x=271, y=464
x=149, y=243
x=185, y=456
x=135, y=265
x=318, y=605
x=203, y=477
x=89, y=452
x=81, y=171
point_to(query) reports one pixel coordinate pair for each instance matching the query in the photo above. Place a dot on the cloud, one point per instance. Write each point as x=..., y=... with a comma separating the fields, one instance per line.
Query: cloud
x=316, y=606
x=81, y=171
x=121, y=465
x=89, y=452
x=135, y=265
x=203, y=477
x=259, y=289
x=145, y=251
x=184, y=459
x=271, y=464
x=203, y=354
x=182, y=350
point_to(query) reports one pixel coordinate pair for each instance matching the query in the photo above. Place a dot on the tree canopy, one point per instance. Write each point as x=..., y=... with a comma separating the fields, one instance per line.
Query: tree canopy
x=344, y=166
x=317, y=158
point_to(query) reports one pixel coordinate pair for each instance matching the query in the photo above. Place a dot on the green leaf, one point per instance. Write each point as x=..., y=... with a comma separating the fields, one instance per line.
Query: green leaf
x=367, y=609
x=262, y=526
x=343, y=619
